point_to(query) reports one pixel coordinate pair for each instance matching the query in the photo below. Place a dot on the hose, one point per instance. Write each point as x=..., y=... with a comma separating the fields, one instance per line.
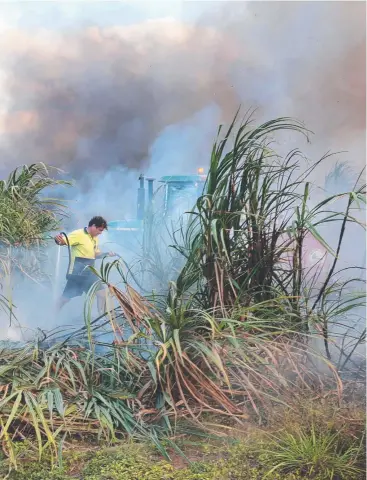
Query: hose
x=69, y=251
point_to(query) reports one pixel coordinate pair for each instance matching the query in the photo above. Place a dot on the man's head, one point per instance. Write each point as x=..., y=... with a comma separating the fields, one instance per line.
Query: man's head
x=96, y=226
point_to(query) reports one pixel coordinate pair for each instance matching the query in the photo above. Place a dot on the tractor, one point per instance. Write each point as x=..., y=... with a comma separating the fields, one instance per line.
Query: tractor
x=177, y=194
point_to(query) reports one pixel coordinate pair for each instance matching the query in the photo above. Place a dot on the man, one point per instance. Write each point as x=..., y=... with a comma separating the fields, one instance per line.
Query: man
x=84, y=251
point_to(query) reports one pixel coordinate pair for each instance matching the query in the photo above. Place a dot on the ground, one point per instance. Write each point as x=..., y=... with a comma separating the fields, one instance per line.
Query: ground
x=247, y=455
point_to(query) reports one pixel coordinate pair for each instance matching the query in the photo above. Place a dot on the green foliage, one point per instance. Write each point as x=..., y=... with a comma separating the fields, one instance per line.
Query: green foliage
x=247, y=234
x=314, y=453
x=198, y=362
x=26, y=214
x=62, y=391
x=37, y=471
x=130, y=462
x=224, y=340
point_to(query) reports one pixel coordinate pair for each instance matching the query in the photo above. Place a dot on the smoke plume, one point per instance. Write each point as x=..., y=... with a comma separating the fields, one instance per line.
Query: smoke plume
x=94, y=97
x=98, y=98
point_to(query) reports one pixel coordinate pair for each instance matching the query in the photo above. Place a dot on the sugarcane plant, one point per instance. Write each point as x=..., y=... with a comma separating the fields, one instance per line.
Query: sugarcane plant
x=27, y=216
x=246, y=238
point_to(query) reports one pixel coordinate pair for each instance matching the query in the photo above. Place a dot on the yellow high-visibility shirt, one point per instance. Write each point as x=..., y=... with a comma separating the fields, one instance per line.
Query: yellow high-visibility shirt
x=82, y=245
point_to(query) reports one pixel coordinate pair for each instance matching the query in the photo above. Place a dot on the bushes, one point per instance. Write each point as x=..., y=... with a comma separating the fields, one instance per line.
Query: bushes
x=127, y=462
x=27, y=216
x=65, y=391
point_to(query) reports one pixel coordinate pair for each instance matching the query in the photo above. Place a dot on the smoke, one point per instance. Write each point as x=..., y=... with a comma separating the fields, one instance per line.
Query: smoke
x=308, y=62
x=107, y=91
x=98, y=98
x=93, y=97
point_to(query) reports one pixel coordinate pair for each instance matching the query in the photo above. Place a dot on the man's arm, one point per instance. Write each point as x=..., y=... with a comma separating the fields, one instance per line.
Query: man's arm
x=99, y=254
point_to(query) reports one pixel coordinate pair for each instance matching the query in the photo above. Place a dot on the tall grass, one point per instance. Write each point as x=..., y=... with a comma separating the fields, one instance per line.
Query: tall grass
x=236, y=320
x=59, y=392
x=197, y=362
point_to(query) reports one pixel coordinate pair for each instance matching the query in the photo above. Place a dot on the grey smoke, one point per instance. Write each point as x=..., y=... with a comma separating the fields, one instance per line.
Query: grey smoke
x=105, y=105
x=101, y=96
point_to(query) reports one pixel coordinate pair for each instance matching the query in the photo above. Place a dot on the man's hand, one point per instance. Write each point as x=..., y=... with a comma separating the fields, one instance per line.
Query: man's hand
x=60, y=240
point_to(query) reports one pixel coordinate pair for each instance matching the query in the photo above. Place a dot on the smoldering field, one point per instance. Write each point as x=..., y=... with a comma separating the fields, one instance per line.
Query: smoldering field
x=107, y=101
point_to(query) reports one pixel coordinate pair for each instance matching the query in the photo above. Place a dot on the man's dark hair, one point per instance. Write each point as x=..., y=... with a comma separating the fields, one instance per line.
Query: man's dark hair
x=98, y=222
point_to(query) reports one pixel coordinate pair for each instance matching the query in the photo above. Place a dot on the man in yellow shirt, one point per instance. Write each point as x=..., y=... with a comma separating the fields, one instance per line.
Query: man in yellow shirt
x=84, y=251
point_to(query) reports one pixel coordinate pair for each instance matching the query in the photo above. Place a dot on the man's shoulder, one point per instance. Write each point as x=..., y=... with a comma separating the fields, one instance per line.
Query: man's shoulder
x=76, y=233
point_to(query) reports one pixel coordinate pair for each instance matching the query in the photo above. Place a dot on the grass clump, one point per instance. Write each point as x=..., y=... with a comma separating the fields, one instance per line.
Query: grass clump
x=26, y=213
x=27, y=216
x=317, y=437
x=314, y=454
